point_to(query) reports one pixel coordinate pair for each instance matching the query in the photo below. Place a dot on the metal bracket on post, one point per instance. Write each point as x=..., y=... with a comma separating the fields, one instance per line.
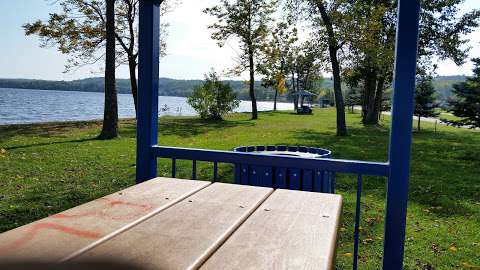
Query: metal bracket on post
x=147, y=106
x=401, y=133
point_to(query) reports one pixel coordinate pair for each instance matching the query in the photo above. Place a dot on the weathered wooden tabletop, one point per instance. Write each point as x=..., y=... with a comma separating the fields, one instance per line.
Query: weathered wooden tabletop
x=170, y=223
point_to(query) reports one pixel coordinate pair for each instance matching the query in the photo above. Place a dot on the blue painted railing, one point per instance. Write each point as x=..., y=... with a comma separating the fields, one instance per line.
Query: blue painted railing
x=396, y=169
x=323, y=165
x=285, y=177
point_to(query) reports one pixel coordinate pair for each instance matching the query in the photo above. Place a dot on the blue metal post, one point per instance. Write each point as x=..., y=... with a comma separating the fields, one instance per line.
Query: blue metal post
x=356, y=235
x=401, y=133
x=147, y=114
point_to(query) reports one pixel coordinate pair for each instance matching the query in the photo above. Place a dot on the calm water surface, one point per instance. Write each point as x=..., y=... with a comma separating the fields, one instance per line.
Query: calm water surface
x=20, y=106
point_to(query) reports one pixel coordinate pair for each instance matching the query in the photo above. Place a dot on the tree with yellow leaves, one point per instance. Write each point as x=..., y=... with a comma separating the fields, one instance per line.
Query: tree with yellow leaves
x=276, y=60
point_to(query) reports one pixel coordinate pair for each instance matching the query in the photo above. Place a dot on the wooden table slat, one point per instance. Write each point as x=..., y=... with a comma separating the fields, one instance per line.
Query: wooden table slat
x=61, y=235
x=185, y=235
x=290, y=230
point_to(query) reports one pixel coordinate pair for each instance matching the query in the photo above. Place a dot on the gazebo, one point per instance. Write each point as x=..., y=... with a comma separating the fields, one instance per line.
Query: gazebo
x=302, y=95
x=395, y=169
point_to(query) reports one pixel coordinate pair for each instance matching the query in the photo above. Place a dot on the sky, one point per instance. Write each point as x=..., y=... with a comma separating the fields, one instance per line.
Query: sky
x=190, y=51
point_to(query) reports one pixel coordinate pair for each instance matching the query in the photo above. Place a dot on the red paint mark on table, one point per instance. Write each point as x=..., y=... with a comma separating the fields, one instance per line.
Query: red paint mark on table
x=34, y=229
x=110, y=204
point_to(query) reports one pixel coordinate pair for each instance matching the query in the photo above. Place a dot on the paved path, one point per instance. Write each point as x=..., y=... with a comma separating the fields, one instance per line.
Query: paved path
x=424, y=119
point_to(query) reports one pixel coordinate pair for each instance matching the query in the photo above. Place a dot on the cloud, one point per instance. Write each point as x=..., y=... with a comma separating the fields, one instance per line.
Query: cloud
x=190, y=50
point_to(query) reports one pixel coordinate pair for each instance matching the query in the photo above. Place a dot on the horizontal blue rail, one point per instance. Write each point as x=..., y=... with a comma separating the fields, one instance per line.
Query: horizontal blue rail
x=333, y=165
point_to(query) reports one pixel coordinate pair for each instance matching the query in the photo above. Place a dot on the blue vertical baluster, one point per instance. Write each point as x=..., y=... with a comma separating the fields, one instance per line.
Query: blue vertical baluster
x=194, y=170
x=174, y=167
x=215, y=172
x=147, y=118
x=333, y=180
x=401, y=133
x=356, y=234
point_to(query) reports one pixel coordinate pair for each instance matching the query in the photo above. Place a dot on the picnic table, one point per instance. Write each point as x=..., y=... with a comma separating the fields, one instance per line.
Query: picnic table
x=168, y=223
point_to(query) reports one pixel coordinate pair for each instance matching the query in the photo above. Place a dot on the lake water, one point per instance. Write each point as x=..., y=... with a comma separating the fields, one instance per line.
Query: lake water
x=20, y=106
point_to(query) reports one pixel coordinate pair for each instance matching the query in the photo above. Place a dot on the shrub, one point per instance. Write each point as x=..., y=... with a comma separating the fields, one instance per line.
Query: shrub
x=213, y=99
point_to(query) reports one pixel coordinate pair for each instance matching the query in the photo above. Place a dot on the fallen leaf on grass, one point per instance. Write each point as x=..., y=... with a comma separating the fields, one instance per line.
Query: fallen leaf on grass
x=424, y=265
x=435, y=249
x=367, y=240
x=470, y=266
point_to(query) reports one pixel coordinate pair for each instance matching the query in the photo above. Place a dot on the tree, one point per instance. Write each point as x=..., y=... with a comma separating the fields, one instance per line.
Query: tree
x=305, y=63
x=466, y=103
x=333, y=47
x=276, y=58
x=213, y=99
x=425, y=105
x=371, y=46
x=79, y=32
x=110, y=114
x=326, y=21
x=352, y=98
x=246, y=20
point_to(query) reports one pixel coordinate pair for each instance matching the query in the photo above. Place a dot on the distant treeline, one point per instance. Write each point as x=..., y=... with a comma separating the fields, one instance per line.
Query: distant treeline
x=167, y=87
x=443, y=87
x=183, y=88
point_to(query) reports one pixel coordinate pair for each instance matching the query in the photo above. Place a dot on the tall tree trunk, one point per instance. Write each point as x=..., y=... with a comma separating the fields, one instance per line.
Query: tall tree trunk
x=252, y=84
x=337, y=84
x=369, y=117
x=275, y=100
x=110, y=114
x=295, y=97
x=418, y=124
x=379, y=98
x=132, y=66
x=298, y=88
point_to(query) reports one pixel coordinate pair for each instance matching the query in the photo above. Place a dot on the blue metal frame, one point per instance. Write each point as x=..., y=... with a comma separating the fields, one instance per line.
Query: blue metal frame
x=401, y=133
x=147, y=117
x=336, y=165
x=396, y=169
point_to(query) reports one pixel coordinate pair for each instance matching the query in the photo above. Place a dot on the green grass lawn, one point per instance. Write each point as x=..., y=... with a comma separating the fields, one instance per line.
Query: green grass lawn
x=47, y=168
x=448, y=116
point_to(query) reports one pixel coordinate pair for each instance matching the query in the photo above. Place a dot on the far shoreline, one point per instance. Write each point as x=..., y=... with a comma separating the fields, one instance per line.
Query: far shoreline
x=101, y=92
x=99, y=121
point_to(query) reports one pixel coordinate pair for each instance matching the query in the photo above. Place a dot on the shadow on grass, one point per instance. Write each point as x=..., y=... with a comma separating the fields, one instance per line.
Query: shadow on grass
x=443, y=169
x=186, y=127
x=444, y=172
x=49, y=143
x=366, y=143
x=44, y=130
x=58, y=133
